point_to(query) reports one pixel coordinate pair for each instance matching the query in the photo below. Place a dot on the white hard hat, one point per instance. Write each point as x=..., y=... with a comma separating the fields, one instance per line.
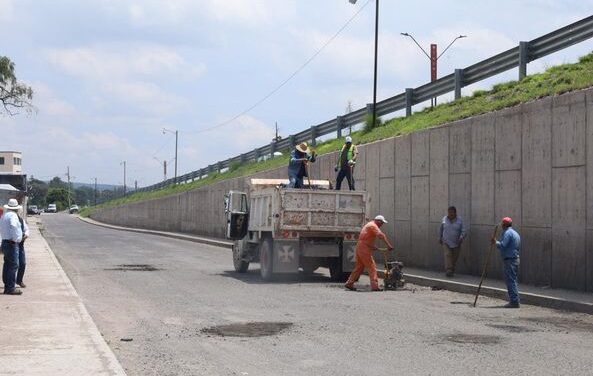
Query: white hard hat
x=348, y=139
x=380, y=218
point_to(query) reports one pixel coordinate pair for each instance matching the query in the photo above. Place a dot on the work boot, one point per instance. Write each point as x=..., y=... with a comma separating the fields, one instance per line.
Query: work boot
x=449, y=274
x=377, y=289
x=13, y=292
x=511, y=305
x=22, y=284
x=350, y=287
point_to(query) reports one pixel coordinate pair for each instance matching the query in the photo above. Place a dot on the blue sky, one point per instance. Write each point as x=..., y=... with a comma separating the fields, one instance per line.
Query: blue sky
x=108, y=75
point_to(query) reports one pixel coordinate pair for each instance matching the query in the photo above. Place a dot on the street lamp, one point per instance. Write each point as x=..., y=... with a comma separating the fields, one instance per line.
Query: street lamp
x=124, y=164
x=176, y=132
x=433, y=57
x=375, y=68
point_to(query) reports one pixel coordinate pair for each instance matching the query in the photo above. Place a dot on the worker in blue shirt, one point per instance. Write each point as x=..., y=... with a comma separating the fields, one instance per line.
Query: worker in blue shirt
x=297, y=166
x=509, y=245
x=12, y=235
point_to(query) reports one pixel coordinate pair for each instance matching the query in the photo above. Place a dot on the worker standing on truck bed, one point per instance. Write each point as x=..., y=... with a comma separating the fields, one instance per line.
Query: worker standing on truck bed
x=345, y=165
x=297, y=166
x=364, y=253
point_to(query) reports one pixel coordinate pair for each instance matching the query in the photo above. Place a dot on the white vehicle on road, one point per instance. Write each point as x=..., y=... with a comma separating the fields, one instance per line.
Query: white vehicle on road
x=51, y=208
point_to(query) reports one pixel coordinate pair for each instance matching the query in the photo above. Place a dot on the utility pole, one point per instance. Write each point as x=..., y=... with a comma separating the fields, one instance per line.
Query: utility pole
x=349, y=110
x=95, y=195
x=165, y=169
x=176, y=132
x=124, y=163
x=68, y=175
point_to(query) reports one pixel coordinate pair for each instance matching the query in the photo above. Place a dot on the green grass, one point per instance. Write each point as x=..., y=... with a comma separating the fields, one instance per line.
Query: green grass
x=556, y=80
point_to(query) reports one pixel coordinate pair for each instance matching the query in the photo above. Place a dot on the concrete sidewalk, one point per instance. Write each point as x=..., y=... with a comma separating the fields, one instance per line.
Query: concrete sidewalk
x=47, y=330
x=569, y=300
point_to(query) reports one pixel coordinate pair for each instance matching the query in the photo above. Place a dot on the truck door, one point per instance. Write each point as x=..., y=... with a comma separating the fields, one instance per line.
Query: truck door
x=237, y=214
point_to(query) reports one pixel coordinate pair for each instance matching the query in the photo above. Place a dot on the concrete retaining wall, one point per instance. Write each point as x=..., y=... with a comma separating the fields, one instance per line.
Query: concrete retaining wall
x=533, y=162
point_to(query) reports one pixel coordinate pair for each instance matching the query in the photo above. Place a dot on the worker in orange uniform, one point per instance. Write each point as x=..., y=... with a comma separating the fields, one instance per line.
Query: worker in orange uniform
x=364, y=253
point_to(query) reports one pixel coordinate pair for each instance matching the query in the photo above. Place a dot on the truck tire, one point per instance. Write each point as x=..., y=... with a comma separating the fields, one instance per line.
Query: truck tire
x=266, y=260
x=239, y=263
x=309, y=265
x=336, y=271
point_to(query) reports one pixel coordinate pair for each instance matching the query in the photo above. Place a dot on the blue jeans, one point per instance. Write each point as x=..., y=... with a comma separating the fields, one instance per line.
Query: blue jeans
x=22, y=264
x=345, y=173
x=511, y=268
x=11, y=264
x=295, y=181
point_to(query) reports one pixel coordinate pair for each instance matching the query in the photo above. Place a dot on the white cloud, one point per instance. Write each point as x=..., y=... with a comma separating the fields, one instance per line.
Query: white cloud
x=49, y=103
x=148, y=97
x=6, y=10
x=109, y=61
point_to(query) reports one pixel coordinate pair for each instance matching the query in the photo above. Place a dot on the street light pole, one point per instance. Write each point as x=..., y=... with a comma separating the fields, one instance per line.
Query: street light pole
x=433, y=57
x=176, y=132
x=375, y=64
x=124, y=163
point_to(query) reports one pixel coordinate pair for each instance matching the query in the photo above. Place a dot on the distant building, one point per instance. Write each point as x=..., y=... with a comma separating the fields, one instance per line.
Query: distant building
x=11, y=162
x=13, y=183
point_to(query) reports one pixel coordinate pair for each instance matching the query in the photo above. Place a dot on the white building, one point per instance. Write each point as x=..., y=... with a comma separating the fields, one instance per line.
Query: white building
x=11, y=162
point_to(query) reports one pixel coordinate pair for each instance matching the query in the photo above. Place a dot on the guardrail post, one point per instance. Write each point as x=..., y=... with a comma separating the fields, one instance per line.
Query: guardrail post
x=409, y=97
x=272, y=148
x=291, y=142
x=523, y=59
x=243, y=158
x=458, y=82
x=313, y=135
x=218, y=166
x=369, y=109
x=339, y=125
x=256, y=151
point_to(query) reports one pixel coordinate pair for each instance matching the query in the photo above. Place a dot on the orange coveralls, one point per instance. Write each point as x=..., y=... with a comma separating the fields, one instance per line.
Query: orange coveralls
x=364, y=254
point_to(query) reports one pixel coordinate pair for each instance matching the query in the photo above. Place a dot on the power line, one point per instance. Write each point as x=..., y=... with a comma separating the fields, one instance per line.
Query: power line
x=283, y=83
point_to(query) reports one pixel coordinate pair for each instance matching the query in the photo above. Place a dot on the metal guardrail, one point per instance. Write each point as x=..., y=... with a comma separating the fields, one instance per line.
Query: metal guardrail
x=518, y=56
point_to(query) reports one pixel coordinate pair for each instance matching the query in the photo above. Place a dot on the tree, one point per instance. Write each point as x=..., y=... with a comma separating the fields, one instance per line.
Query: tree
x=37, y=192
x=13, y=94
x=56, y=182
x=58, y=196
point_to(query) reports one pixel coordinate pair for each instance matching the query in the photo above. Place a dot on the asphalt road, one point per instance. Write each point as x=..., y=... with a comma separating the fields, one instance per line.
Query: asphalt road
x=162, y=314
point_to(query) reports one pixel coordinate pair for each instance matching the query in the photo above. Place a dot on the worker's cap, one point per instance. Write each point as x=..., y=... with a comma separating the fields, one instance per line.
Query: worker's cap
x=507, y=221
x=12, y=204
x=348, y=139
x=303, y=147
x=380, y=218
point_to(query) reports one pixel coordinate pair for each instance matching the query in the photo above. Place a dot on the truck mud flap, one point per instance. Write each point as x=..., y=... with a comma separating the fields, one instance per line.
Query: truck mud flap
x=348, y=256
x=286, y=256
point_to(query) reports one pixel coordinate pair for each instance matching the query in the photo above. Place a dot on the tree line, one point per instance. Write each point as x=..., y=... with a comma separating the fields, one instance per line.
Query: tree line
x=57, y=191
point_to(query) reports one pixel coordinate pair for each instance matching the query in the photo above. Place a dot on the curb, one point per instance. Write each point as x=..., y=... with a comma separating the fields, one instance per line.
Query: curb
x=191, y=238
x=498, y=293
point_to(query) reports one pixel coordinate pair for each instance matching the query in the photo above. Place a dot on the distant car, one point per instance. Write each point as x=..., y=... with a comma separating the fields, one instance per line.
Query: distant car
x=51, y=208
x=33, y=210
x=74, y=209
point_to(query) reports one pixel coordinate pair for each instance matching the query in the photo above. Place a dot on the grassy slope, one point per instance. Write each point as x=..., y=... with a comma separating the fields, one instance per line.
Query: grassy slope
x=556, y=80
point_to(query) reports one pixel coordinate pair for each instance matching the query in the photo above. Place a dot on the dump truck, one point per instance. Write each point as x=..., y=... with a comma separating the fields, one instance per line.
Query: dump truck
x=287, y=229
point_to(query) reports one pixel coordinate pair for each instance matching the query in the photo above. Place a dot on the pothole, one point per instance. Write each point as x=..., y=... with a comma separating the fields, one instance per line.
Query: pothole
x=512, y=328
x=248, y=329
x=480, y=339
x=135, y=267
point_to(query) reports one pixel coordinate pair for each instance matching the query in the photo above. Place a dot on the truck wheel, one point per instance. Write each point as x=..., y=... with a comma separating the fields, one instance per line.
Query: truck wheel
x=239, y=263
x=336, y=272
x=266, y=259
x=309, y=266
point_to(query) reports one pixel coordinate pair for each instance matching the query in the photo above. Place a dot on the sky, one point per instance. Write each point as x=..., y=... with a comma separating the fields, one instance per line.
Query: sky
x=109, y=75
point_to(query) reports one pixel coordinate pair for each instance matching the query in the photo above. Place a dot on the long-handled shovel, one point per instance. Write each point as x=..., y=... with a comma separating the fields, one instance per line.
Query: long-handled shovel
x=486, y=263
x=307, y=170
